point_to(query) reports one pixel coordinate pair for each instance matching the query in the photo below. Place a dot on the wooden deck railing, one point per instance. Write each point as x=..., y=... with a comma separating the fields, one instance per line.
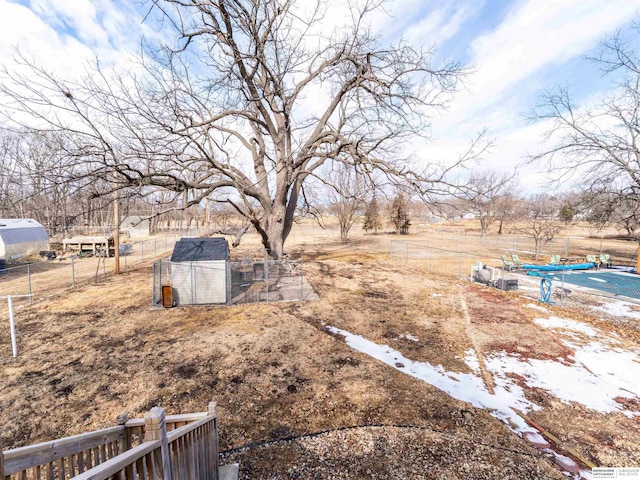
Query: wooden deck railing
x=174, y=447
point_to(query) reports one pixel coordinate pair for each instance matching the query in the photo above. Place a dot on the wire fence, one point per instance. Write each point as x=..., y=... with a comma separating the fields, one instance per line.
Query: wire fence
x=46, y=278
x=455, y=262
x=435, y=259
x=228, y=282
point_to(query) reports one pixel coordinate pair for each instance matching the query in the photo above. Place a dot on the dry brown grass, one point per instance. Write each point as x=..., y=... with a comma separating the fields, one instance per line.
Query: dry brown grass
x=275, y=371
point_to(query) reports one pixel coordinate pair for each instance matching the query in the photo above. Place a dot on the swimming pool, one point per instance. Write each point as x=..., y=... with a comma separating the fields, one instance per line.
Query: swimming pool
x=617, y=283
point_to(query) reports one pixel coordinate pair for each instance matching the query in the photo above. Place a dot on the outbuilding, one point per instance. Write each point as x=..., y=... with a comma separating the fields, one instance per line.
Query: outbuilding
x=199, y=271
x=136, y=226
x=20, y=237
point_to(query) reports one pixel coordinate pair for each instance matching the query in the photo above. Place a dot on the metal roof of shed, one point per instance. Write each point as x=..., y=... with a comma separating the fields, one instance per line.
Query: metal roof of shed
x=21, y=230
x=200, y=249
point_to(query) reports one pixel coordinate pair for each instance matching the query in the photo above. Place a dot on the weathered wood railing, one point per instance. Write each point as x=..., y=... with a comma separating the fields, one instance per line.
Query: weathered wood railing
x=157, y=447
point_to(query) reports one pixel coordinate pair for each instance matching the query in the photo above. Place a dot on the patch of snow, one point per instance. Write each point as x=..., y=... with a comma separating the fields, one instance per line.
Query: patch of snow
x=566, y=463
x=434, y=295
x=536, y=439
x=463, y=386
x=471, y=359
x=566, y=324
x=619, y=368
x=570, y=382
x=594, y=377
x=408, y=336
x=536, y=307
x=618, y=308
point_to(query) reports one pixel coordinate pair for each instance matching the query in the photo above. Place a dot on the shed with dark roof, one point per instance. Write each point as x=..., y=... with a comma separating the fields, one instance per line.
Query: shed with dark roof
x=199, y=271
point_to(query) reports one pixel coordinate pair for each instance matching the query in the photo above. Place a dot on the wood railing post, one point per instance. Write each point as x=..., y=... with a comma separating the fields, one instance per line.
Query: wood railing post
x=211, y=410
x=155, y=428
x=125, y=443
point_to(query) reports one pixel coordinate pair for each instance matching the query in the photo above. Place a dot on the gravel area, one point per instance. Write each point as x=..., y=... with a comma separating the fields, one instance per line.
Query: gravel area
x=384, y=452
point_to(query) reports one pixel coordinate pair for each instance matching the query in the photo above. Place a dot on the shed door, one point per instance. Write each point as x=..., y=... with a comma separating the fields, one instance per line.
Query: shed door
x=210, y=282
x=199, y=283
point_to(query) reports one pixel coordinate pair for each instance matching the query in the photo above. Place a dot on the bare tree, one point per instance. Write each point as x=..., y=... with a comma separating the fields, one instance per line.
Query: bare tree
x=598, y=144
x=609, y=208
x=539, y=220
x=507, y=208
x=9, y=175
x=247, y=104
x=347, y=195
x=487, y=196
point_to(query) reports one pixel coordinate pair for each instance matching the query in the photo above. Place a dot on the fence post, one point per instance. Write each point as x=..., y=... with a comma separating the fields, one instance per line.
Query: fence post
x=12, y=326
x=266, y=276
x=29, y=282
x=301, y=280
x=155, y=428
x=211, y=410
x=73, y=272
x=192, y=287
x=229, y=279
x=153, y=274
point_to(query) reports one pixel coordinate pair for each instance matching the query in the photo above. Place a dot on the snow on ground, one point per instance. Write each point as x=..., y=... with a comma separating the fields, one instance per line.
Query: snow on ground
x=618, y=308
x=408, y=336
x=565, y=324
x=463, y=386
x=471, y=359
x=599, y=371
x=595, y=279
x=595, y=375
x=567, y=382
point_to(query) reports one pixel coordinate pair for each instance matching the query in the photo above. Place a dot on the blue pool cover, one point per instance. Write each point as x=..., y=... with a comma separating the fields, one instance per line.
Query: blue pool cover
x=627, y=285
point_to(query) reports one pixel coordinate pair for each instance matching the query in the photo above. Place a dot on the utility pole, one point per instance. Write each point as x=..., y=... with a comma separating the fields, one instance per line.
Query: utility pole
x=116, y=231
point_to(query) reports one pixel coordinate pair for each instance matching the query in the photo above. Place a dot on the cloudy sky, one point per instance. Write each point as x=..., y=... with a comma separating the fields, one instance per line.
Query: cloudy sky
x=517, y=48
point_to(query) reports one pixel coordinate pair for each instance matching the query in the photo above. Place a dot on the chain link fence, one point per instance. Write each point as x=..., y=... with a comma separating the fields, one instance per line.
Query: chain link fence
x=46, y=278
x=622, y=252
x=456, y=262
x=228, y=282
x=435, y=259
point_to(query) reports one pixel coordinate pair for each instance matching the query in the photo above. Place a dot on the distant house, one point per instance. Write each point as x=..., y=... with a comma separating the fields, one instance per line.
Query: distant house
x=20, y=237
x=136, y=226
x=199, y=271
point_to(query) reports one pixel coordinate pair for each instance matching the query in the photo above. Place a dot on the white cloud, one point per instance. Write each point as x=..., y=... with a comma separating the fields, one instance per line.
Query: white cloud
x=540, y=34
x=22, y=28
x=534, y=37
x=439, y=25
